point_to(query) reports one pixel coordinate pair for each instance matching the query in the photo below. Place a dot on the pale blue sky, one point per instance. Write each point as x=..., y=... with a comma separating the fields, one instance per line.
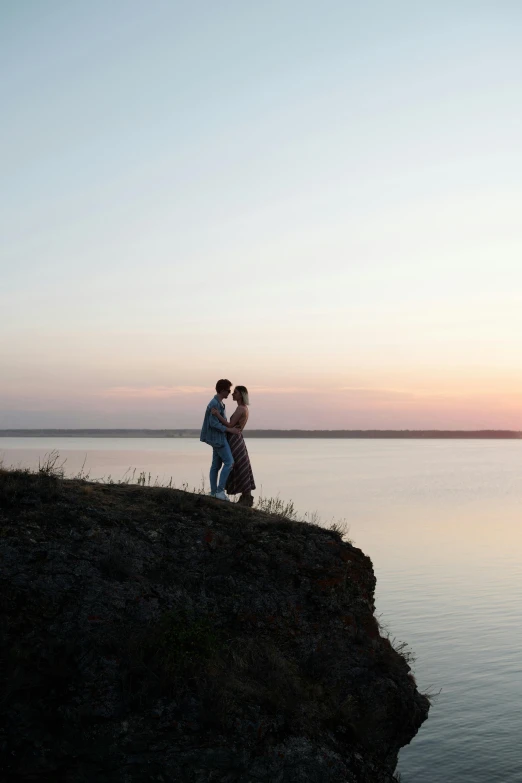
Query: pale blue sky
x=309, y=198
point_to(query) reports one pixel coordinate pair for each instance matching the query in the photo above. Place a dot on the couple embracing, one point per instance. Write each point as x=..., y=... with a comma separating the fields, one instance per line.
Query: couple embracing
x=230, y=453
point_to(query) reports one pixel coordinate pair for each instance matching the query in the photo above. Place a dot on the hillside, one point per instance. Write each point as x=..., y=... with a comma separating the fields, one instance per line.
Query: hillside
x=149, y=634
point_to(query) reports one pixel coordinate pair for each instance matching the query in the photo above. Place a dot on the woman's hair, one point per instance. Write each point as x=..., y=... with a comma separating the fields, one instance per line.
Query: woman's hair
x=244, y=393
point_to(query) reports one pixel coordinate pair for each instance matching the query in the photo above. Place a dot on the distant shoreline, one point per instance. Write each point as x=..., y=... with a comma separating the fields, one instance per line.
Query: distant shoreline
x=193, y=433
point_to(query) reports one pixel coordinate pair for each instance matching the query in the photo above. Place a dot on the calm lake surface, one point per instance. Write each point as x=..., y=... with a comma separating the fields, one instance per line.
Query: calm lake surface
x=442, y=522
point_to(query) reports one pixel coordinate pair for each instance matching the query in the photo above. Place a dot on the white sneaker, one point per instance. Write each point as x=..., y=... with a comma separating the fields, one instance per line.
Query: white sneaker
x=220, y=495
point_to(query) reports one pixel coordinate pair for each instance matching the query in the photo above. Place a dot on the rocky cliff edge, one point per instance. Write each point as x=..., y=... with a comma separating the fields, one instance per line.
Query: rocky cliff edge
x=149, y=634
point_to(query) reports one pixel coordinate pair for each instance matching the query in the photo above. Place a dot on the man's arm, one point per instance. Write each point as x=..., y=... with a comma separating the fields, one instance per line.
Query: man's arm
x=213, y=422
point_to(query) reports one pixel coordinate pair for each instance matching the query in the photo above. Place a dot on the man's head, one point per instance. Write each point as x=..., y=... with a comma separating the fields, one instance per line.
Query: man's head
x=223, y=387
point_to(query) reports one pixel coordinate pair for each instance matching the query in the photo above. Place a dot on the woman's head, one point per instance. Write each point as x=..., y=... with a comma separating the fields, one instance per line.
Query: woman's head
x=241, y=395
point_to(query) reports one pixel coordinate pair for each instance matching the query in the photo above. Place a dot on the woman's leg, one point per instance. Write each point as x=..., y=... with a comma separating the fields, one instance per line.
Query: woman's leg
x=246, y=499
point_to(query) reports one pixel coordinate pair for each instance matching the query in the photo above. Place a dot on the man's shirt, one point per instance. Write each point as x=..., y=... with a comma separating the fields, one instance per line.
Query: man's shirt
x=212, y=431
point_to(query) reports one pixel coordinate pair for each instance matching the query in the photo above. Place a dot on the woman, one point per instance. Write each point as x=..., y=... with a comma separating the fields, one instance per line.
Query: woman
x=241, y=478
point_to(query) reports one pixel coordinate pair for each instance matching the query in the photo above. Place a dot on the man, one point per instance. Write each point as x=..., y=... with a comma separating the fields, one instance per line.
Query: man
x=215, y=434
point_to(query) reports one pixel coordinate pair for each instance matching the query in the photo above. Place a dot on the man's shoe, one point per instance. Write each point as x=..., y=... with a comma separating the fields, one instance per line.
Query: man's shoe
x=212, y=494
x=220, y=495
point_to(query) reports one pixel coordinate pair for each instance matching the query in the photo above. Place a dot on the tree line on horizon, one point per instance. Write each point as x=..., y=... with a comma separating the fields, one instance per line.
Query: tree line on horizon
x=261, y=433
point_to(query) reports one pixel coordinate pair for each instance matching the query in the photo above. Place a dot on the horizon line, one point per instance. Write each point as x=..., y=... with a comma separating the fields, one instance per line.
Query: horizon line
x=258, y=432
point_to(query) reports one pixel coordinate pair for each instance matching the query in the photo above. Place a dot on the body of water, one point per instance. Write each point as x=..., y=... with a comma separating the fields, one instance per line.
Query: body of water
x=442, y=522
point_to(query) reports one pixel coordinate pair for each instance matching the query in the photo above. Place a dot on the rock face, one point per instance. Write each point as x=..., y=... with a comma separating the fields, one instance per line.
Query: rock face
x=150, y=634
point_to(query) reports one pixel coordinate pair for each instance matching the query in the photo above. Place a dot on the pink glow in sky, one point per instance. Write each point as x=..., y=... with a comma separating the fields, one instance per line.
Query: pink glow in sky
x=322, y=204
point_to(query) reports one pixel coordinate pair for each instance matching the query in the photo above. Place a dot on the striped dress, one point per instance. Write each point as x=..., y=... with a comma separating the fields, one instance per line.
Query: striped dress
x=241, y=478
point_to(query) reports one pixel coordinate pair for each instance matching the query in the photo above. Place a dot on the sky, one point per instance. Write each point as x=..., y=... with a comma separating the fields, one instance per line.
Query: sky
x=319, y=201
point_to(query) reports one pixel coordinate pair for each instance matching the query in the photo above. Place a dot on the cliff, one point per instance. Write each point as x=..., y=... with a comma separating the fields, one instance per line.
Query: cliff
x=149, y=634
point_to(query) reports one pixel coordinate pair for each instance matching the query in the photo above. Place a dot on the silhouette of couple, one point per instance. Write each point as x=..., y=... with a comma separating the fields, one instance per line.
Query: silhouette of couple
x=229, y=451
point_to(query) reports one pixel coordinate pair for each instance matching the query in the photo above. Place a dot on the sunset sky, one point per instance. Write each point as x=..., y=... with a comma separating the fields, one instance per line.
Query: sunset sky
x=320, y=201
